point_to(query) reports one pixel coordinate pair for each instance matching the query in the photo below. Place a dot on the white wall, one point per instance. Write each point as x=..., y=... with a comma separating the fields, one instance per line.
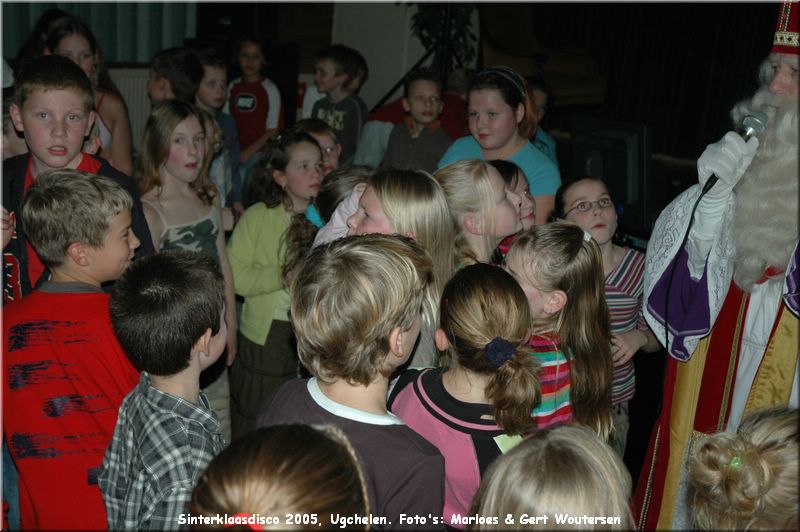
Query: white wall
x=382, y=33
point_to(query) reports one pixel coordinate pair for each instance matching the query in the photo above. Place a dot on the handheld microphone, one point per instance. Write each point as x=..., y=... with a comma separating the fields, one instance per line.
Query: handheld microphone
x=753, y=125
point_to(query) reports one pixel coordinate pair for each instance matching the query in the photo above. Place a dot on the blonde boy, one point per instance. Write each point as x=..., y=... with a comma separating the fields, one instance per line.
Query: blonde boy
x=64, y=372
x=356, y=307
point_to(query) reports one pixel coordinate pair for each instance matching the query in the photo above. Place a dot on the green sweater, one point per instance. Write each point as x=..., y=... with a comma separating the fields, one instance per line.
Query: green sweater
x=255, y=254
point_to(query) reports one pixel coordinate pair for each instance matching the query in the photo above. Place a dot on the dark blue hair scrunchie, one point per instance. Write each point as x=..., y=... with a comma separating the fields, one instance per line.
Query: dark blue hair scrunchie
x=498, y=352
x=313, y=216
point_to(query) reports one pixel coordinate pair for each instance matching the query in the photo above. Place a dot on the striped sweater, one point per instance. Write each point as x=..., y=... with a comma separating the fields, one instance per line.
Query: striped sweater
x=624, y=287
x=555, y=381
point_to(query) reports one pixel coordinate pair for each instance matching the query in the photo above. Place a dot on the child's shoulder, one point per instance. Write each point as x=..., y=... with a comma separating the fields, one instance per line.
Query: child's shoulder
x=544, y=342
x=359, y=102
x=13, y=166
x=284, y=404
x=106, y=170
x=405, y=379
x=52, y=302
x=160, y=414
x=437, y=134
x=259, y=211
x=408, y=445
x=634, y=255
x=163, y=428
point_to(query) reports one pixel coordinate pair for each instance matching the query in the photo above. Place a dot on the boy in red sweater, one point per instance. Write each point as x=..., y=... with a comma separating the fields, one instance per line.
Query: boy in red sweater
x=64, y=372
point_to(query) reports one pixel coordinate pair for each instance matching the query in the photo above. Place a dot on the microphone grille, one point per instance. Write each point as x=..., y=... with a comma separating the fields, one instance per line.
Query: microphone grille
x=755, y=123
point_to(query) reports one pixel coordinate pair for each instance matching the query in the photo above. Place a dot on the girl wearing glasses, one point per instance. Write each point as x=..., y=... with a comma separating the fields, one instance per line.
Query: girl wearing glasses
x=588, y=203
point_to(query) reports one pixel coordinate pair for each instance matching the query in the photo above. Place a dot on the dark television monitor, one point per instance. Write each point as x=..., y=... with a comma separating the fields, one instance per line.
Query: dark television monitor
x=619, y=153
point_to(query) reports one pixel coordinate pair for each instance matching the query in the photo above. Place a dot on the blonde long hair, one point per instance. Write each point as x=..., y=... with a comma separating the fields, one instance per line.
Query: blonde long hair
x=415, y=205
x=557, y=256
x=468, y=189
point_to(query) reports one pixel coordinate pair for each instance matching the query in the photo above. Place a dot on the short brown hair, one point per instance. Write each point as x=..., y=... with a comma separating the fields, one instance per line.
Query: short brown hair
x=49, y=73
x=348, y=297
x=348, y=61
x=65, y=206
x=315, y=126
x=183, y=70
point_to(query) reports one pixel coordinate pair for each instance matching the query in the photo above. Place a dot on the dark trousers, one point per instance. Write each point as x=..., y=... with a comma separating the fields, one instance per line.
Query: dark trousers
x=257, y=371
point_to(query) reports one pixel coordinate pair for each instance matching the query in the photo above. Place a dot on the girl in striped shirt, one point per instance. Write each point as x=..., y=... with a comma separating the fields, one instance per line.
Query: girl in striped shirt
x=559, y=267
x=588, y=203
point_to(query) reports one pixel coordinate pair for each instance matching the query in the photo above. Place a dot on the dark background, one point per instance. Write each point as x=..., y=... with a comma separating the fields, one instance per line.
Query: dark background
x=678, y=67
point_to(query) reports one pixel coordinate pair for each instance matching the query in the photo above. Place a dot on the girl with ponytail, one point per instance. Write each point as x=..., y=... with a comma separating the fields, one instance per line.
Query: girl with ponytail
x=560, y=269
x=480, y=406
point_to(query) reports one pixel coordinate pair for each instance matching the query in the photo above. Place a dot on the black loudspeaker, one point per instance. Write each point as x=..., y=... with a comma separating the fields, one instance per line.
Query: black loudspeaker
x=619, y=153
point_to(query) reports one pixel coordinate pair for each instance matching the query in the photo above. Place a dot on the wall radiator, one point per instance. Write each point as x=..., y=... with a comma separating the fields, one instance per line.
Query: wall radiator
x=132, y=83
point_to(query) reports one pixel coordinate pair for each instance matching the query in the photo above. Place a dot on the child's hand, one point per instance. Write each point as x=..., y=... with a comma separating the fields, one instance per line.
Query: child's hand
x=227, y=219
x=231, y=349
x=625, y=345
x=8, y=224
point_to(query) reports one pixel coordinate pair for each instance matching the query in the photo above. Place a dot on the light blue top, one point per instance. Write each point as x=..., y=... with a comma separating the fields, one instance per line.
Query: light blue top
x=546, y=144
x=542, y=175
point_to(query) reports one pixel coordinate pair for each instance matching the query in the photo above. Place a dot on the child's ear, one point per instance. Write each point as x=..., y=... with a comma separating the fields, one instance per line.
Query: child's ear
x=16, y=117
x=473, y=223
x=440, y=337
x=78, y=254
x=406, y=106
x=396, y=343
x=520, y=113
x=555, y=301
x=201, y=345
x=279, y=178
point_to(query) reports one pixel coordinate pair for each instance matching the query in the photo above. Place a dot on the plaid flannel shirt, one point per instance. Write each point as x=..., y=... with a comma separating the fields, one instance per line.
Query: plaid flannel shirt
x=161, y=446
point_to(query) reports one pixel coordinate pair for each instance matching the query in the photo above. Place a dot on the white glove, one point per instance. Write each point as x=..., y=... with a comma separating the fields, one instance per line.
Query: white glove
x=727, y=159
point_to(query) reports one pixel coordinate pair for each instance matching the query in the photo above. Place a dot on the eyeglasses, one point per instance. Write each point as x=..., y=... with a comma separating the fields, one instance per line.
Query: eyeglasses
x=433, y=100
x=585, y=206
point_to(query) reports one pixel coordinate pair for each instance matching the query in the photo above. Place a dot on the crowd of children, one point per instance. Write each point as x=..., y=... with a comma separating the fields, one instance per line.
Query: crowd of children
x=413, y=345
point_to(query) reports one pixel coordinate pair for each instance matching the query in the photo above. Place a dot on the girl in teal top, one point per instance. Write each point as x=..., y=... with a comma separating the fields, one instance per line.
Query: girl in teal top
x=501, y=119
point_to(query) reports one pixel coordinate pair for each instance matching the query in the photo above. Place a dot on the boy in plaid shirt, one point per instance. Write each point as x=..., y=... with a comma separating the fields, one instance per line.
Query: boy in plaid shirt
x=168, y=312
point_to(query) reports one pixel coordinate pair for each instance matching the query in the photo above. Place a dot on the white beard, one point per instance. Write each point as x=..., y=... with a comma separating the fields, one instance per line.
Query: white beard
x=765, y=222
